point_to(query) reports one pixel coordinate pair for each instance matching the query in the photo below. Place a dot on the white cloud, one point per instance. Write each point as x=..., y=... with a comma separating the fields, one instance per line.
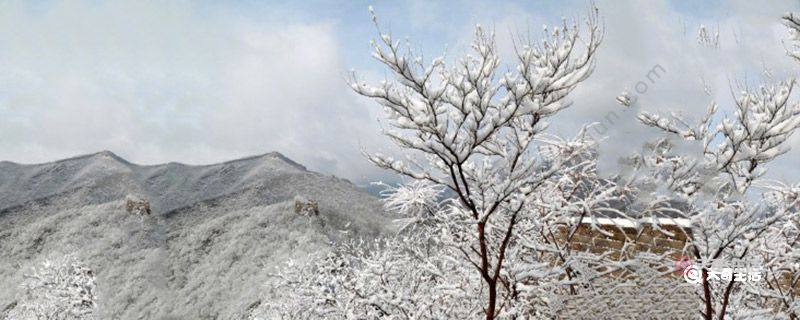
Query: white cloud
x=174, y=82
x=178, y=81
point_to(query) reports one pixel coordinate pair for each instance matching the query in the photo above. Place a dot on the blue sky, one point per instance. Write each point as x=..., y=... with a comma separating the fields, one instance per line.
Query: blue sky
x=202, y=82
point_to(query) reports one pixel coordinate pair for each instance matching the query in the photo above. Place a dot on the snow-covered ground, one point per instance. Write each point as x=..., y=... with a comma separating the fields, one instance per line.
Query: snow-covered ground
x=207, y=250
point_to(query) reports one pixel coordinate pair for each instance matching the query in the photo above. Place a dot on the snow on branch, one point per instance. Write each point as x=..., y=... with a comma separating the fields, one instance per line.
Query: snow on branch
x=59, y=288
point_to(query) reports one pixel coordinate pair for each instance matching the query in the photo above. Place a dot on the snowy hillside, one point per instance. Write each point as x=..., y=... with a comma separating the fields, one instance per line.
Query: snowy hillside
x=204, y=253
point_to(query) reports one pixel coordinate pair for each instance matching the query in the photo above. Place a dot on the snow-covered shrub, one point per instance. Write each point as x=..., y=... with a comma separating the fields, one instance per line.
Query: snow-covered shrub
x=60, y=288
x=389, y=282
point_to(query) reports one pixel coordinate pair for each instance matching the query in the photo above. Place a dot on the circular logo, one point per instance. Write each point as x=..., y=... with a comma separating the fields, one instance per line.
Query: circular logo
x=692, y=275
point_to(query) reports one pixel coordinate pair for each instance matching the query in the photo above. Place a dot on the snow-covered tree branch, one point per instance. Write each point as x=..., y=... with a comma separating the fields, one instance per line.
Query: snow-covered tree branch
x=496, y=212
x=727, y=156
x=473, y=130
x=60, y=288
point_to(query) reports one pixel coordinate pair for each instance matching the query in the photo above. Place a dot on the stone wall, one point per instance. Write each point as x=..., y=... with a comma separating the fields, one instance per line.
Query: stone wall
x=644, y=239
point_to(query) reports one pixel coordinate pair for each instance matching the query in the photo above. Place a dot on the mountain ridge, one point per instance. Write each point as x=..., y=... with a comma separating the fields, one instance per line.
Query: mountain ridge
x=206, y=252
x=111, y=154
x=27, y=182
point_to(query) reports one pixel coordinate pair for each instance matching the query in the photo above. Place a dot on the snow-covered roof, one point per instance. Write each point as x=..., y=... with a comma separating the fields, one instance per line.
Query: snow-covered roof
x=633, y=223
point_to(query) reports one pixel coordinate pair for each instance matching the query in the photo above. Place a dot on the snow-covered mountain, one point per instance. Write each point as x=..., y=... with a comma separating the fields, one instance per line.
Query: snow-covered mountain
x=207, y=250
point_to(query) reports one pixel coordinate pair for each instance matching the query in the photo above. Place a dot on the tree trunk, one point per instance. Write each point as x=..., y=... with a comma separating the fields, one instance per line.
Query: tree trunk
x=709, y=314
x=726, y=299
x=490, y=309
